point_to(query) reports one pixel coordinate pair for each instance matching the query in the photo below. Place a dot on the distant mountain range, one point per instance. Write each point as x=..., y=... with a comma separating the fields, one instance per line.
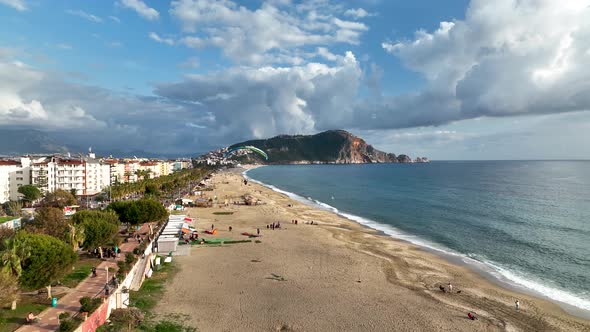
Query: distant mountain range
x=328, y=147
x=21, y=141
x=17, y=142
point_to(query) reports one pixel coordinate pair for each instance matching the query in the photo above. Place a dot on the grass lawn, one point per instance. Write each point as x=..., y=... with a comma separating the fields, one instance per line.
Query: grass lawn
x=150, y=292
x=10, y=320
x=82, y=269
x=5, y=219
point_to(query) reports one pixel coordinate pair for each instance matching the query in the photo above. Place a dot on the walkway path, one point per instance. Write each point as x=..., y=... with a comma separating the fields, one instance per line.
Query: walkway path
x=91, y=287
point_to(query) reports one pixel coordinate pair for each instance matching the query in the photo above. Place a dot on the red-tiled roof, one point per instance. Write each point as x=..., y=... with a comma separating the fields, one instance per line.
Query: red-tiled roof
x=9, y=162
x=70, y=162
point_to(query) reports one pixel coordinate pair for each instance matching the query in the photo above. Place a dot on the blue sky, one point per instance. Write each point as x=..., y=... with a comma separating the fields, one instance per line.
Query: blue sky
x=452, y=79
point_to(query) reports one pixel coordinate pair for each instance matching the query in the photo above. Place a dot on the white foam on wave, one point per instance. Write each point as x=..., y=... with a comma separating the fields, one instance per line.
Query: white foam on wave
x=549, y=292
x=500, y=273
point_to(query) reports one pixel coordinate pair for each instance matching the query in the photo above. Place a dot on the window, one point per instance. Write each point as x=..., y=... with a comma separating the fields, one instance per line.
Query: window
x=19, y=172
x=19, y=185
x=19, y=178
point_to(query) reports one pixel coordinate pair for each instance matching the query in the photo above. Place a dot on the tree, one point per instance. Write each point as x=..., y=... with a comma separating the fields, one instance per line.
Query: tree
x=140, y=211
x=8, y=288
x=99, y=227
x=98, y=233
x=151, y=190
x=73, y=191
x=12, y=252
x=125, y=319
x=50, y=221
x=12, y=208
x=90, y=215
x=59, y=199
x=49, y=259
x=30, y=193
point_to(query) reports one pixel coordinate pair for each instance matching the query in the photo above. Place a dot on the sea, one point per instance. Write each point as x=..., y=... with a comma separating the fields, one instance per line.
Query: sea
x=524, y=223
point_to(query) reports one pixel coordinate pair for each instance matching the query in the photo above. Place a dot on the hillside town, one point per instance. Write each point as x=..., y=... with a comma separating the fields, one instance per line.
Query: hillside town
x=84, y=175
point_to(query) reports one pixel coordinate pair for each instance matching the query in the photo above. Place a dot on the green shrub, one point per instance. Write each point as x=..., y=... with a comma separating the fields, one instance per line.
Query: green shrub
x=129, y=258
x=89, y=305
x=68, y=325
x=126, y=319
x=123, y=268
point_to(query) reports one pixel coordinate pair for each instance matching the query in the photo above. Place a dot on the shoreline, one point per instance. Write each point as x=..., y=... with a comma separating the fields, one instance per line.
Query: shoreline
x=233, y=287
x=485, y=270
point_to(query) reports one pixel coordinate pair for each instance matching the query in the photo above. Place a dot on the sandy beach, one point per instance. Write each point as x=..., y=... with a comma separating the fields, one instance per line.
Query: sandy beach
x=335, y=275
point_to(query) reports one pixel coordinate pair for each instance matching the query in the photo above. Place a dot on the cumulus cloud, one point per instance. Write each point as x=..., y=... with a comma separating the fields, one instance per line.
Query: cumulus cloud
x=259, y=102
x=18, y=109
x=19, y=5
x=84, y=15
x=156, y=37
x=505, y=58
x=266, y=34
x=357, y=13
x=141, y=8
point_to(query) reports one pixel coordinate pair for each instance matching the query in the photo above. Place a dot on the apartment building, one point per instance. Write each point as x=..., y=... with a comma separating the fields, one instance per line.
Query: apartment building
x=98, y=176
x=13, y=174
x=87, y=176
x=152, y=167
x=7, y=167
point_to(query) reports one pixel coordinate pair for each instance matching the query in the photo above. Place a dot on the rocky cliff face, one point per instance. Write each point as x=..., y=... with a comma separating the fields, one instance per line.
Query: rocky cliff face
x=329, y=147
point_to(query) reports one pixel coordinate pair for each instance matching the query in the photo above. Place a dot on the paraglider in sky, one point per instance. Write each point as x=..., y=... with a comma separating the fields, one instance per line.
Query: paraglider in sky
x=246, y=147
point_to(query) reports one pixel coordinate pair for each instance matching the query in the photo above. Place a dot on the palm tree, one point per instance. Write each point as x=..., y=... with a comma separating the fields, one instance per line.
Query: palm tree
x=12, y=256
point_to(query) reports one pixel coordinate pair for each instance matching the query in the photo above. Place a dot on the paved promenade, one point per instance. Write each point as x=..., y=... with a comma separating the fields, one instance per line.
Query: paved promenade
x=91, y=286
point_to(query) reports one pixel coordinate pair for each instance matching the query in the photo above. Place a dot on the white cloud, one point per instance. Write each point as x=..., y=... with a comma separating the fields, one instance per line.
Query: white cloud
x=156, y=37
x=245, y=102
x=505, y=58
x=272, y=33
x=19, y=5
x=141, y=8
x=18, y=110
x=357, y=13
x=84, y=15
x=115, y=19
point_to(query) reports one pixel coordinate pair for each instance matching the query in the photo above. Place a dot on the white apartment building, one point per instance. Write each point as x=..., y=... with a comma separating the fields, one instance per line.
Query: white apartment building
x=98, y=176
x=87, y=176
x=13, y=174
x=7, y=167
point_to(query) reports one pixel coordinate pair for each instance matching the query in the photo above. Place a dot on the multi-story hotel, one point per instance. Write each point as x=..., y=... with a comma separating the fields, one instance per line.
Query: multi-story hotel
x=86, y=175
x=13, y=174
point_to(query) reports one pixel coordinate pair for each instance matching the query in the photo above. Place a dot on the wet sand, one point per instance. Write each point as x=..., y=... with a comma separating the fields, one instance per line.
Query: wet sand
x=335, y=276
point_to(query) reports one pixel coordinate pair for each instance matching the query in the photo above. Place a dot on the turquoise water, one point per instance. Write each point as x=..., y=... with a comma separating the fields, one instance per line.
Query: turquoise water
x=527, y=221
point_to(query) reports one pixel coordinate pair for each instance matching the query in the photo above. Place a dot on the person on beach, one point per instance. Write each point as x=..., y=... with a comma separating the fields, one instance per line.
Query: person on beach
x=517, y=305
x=450, y=287
x=471, y=316
x=230, y=228
x=258, y=231
x=212, y=226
